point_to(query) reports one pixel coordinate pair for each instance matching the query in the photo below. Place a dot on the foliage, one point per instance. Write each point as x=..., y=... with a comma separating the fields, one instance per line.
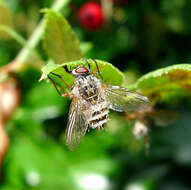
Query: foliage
x=58, y=30
x=5, y=19
x=106, y=69
x=166, y=84
x=147, y=41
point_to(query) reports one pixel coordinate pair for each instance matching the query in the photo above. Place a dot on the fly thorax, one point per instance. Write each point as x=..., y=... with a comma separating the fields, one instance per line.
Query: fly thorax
x=88, y=88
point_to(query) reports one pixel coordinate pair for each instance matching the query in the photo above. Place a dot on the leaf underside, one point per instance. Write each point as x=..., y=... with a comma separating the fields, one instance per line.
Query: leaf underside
x=111, y=75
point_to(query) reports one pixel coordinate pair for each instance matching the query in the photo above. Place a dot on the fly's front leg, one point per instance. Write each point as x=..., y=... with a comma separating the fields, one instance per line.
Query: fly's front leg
x=55, y=86
x=62, y=80
x=98, y=70
x=86, y=60
x=63, y=93
x=97, y=67
x=67, y=70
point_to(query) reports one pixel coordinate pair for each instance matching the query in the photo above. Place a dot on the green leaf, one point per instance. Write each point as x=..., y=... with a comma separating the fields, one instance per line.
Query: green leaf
x=59, y=41
x=5, y=19
x=166, y=84
x=110, y=74
x=44, y=164
x=38, y=157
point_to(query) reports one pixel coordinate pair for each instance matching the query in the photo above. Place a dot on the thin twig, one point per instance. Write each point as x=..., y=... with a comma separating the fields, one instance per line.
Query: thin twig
x=21, y=59
x=37, y=34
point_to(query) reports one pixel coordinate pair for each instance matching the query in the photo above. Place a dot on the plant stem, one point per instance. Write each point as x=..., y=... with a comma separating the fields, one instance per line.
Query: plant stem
x=12, y=33
x=33, y=41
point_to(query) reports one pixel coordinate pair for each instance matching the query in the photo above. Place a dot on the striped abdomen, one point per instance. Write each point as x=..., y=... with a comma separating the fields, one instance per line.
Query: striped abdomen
x=89, y=89
x=99, y=116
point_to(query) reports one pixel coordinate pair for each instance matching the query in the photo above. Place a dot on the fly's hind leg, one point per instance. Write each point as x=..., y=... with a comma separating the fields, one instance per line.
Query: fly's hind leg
x=100, y=128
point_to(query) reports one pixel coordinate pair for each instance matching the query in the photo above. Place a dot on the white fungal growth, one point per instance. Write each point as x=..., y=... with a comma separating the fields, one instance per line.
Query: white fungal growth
x=140, y=129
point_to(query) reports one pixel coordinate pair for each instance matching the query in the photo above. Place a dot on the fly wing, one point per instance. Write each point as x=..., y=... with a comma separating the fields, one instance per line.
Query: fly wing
x=124, y=100
x=77, y=125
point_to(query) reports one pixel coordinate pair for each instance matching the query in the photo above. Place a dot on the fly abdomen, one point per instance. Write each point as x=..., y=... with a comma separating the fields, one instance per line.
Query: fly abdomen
x=99, y=118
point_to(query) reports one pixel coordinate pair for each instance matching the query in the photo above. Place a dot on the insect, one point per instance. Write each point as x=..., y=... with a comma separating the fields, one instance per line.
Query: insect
x=91, y=100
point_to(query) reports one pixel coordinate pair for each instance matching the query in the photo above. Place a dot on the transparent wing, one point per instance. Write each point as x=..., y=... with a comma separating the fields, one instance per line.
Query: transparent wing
x=77, y=125
x=124, y=100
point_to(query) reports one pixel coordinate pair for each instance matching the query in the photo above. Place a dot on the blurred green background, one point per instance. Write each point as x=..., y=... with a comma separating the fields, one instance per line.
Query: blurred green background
x=138, y=37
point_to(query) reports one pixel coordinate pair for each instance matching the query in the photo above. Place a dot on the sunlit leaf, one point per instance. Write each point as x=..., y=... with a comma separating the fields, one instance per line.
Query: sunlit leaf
x=110, y=74
x=166, y=84
x=5, y=19
x=59, y=41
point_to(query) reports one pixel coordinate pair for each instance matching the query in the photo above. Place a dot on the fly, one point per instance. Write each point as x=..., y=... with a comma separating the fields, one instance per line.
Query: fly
x=91, y=100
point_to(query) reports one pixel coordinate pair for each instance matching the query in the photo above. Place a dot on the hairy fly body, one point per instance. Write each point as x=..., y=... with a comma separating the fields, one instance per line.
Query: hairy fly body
x=88, y=89
x=91, y=101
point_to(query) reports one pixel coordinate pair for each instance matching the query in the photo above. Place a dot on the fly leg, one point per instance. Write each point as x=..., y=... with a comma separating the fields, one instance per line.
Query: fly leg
x=63, y=93
x=66, y=69
x=62, y=80
x=86, y=60
x=54, y=84
x=69, y=71
x=98, y=70
x=100, y=128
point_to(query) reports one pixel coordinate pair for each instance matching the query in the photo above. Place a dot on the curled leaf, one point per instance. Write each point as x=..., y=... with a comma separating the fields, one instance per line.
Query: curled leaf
x=110, y=74
x=166, y=84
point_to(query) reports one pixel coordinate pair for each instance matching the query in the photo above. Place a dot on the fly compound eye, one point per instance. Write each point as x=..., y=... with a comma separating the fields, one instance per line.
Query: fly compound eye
x=81, y=71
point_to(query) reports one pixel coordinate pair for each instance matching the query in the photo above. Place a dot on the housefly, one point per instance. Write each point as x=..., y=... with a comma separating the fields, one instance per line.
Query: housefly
x=91, y=100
